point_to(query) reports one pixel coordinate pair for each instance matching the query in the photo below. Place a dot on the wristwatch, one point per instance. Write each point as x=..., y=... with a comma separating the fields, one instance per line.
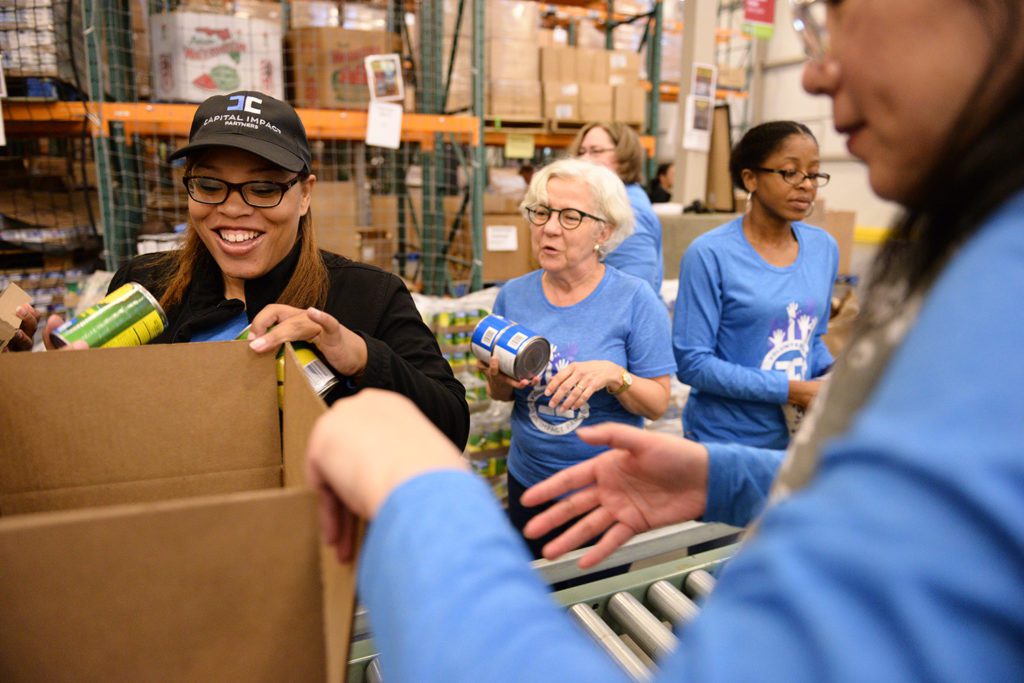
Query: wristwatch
x=627, y=382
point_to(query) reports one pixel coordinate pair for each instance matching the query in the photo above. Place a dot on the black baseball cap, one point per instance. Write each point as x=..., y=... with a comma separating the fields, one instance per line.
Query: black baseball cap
x=253, y=121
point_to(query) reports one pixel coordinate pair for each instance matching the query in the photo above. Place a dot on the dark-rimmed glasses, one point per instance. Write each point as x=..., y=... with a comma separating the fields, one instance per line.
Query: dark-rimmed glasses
x=796, y=178
x=809, y=22
x=259, y=194
x=570, y=219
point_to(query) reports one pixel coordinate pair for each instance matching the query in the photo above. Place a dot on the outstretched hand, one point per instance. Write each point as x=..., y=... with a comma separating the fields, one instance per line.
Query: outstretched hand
x=647, y=480
x=356, y=458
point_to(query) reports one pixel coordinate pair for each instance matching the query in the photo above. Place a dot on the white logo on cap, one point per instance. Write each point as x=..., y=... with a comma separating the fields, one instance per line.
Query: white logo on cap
x=245, y=103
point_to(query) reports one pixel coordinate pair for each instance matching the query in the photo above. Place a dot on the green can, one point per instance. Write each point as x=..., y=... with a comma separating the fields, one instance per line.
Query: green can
x=128, y=316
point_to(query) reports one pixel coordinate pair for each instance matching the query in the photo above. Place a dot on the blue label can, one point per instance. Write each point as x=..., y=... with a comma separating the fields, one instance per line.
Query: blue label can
x=521, y=353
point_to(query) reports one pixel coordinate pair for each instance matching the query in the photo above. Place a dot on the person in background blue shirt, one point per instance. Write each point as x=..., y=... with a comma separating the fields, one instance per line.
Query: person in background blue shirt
x=755, y=296
x=898, y=557
x=609, y=334
x=617, y=147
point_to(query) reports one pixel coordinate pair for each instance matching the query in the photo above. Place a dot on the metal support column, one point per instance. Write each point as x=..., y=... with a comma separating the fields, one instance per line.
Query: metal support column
x=654, y=29
x=699, y=22
x=92, y=10
x=429, y=96
x=479, y=175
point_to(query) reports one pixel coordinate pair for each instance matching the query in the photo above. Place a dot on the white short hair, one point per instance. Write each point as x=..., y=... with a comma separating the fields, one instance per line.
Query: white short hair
x=606, y=189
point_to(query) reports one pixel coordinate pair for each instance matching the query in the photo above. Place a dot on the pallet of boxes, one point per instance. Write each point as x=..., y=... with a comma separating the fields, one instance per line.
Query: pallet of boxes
x=581, y=85
x=513, y=91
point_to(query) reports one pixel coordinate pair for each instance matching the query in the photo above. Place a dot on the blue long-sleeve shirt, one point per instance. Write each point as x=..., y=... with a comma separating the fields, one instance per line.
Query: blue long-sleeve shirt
x=744, y=328
x=640, y=254
x=903, y=560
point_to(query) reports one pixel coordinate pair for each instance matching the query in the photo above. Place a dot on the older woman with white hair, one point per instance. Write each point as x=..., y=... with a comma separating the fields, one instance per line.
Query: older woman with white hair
x=611, y=355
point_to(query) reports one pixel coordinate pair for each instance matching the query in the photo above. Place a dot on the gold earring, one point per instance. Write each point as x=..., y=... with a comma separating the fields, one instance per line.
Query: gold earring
x=750, y=196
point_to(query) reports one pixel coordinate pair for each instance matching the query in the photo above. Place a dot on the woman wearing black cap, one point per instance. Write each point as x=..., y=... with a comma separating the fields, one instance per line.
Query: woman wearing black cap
x=250, y=257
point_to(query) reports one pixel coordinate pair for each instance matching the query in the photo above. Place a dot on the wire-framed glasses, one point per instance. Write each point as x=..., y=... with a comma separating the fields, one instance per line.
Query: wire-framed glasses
x=570, y=219
x=809, y=22
x=796, y=178
x=259, y=194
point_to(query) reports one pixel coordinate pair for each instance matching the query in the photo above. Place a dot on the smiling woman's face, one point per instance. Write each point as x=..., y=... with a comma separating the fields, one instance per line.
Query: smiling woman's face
x=245, y=241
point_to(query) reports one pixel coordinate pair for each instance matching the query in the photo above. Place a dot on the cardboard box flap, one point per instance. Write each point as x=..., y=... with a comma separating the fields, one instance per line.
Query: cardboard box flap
x=131, y=415
x=303, y=407
x=175, y=591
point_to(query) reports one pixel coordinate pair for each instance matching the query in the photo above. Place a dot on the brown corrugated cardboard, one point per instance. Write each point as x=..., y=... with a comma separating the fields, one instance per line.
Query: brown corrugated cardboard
x=520, y=99
x=562, y=101
x=12, y=297
x=592, y=65
x=335, y=217
x=327, y=65
x=623, y=67
x=629, y=104
x=506, y=264
x=512, y=20
x=512, y=60
x=558, y=64
x=227, y=581
x=842, y=225
x=596, y=102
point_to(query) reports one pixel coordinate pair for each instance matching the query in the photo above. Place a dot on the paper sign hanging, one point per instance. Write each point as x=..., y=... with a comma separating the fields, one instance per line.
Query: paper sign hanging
x=705, y=77
x=519, y=146
x=384, y=125
x=384, y=76
x=759, y=18
x=697, y=134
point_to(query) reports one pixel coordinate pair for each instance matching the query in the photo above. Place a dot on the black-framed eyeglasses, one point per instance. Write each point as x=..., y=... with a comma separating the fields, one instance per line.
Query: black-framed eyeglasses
x=259, y=194
x=796, y=178
x=570, y=219
x=809, y=22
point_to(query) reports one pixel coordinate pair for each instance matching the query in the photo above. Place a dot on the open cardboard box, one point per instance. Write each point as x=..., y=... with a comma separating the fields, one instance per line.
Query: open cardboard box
x=154, y=522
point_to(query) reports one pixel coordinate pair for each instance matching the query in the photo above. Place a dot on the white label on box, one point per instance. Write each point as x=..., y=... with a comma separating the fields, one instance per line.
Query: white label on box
x=617, y=80
x=502, y=238
x=564, y=111
x=570, y=89
x=618, y=61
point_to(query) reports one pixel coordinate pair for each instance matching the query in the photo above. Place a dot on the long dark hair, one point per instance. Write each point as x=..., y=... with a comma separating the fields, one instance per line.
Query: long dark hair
x=980, y=168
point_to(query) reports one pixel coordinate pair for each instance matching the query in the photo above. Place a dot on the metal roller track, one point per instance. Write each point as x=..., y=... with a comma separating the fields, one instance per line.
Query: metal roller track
x=670, y=603
x=642, y=626
x=611, y=643
x=699, y=584
x=373, y=673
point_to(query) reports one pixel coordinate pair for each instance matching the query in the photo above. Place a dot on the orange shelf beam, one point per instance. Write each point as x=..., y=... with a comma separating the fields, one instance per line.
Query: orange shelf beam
x=49, y=118
x=495, y=138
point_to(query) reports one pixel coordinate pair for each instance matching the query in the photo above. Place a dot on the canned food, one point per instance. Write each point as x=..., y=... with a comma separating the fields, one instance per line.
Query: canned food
x=128, y=316
x=521, y=354
x=317, y=372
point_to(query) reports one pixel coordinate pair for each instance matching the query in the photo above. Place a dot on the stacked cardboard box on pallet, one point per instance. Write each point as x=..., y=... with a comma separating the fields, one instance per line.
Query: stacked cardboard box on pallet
x=327, y=65
x=511, y=60
x=197, y=54
x=590, y=84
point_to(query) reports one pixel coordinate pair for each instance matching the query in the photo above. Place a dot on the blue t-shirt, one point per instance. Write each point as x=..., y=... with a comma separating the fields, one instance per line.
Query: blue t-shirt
x=743, y=328
x=858, y=577
x=640, y=254
x=621, y=321
x=226, y=331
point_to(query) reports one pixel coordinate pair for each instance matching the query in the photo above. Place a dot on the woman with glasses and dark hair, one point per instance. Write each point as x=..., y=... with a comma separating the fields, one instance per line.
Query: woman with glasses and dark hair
x=755, y=296
x=250, y=257
x=610, y=356
x=617, y=147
